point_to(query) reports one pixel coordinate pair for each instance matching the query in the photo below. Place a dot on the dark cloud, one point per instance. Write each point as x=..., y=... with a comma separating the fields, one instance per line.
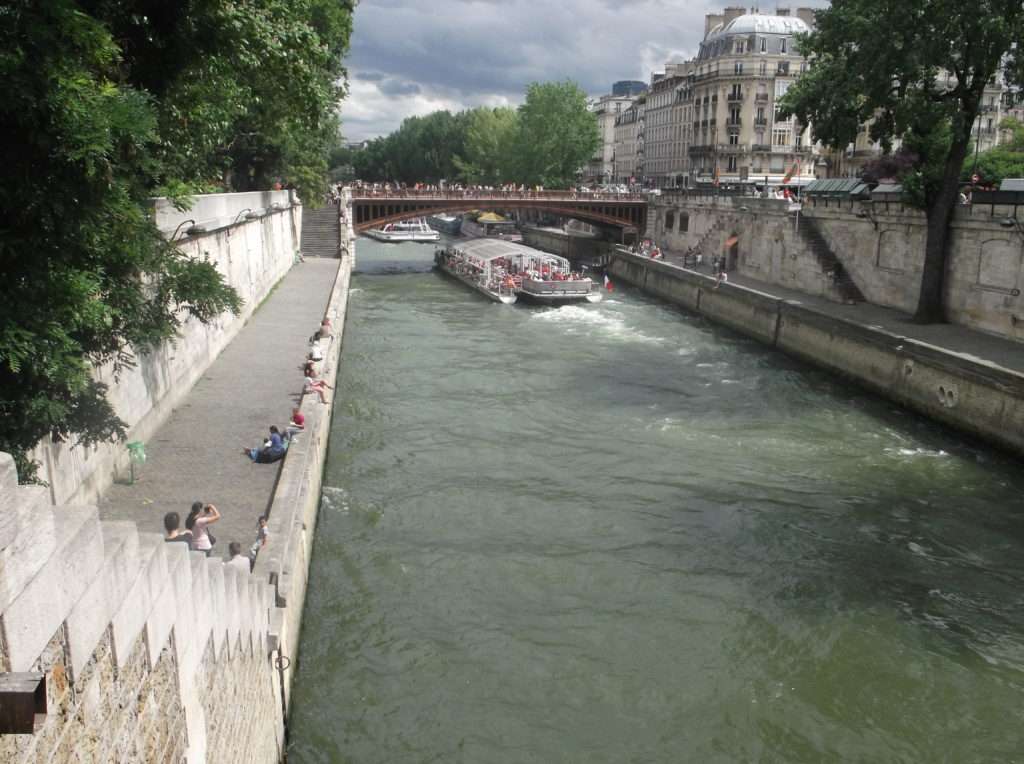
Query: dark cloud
x=411, y=57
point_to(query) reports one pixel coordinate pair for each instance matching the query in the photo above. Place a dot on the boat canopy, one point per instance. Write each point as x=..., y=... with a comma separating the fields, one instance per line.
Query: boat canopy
x=487, y=250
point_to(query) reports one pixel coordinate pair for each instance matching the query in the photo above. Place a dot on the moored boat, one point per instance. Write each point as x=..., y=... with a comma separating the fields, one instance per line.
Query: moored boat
x=476, y=267
x=405, y=230
x=447, y=224
x=507, y=272
x=490, y=225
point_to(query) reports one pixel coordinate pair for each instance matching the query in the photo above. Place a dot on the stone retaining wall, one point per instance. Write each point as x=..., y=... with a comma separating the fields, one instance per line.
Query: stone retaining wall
x=253, y=255
x=880, y=245
x=151, y=652
x=971, y=395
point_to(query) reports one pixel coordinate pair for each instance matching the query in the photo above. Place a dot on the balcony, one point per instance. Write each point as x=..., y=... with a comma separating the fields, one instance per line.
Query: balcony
x=734, y=122
x=987, y=108
x=760, y=121
x=733, y=148
x=761, y=97
x=761, y=147
x=734, y=97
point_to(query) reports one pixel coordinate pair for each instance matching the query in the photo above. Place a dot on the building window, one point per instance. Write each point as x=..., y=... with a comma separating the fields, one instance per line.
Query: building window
x=684, y=222
x=764, y=44
x=738, y=67
x=764, y=68
x=732, y=164
x=739, y=47
x=734, y=139
x=784, y=45
x=783, y=67
x=670, y=220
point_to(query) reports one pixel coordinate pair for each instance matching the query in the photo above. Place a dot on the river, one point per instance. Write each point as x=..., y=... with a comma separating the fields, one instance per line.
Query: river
x=618, y=533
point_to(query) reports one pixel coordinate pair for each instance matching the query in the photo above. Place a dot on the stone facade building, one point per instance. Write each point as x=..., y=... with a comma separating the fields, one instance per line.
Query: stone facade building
x=667, y=128
x=601, y=167
x=629, y=142
x=746, y=63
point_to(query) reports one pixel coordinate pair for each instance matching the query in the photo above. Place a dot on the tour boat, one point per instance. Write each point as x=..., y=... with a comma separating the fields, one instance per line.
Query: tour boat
x=449, y=224
x=490, y=225
x=405, y=230
x=506, y=272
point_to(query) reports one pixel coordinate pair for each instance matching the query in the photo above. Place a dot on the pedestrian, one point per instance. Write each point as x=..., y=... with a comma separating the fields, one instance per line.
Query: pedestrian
x=198, y=521
x=261, y=540
x=722, y=278
x=237, y=561
x=317, y=386
x=172, y=524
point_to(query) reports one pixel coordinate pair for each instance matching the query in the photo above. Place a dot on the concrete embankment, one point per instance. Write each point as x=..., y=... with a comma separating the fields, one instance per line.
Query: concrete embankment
x=976, y=392
x=147, y=651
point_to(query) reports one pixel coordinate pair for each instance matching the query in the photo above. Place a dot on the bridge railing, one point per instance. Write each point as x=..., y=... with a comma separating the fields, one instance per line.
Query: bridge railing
x=493, y=194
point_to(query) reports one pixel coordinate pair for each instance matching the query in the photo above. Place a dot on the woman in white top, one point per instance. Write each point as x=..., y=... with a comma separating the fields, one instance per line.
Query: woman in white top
x=198, y=521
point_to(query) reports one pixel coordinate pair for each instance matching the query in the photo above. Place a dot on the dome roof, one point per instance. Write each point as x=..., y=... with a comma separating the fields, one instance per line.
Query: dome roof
x=756, y=23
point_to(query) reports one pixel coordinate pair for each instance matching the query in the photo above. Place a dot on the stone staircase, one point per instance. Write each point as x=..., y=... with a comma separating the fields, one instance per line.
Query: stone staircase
x=320, y=231
x=830, y=263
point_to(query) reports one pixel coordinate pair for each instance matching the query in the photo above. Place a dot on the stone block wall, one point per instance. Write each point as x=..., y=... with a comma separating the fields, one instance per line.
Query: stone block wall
x=253, y=254
x=971, y=395
x=151, y=653
x=880, y=245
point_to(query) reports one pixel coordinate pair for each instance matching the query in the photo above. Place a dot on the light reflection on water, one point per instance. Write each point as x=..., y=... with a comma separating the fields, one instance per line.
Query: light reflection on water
x=613, y=533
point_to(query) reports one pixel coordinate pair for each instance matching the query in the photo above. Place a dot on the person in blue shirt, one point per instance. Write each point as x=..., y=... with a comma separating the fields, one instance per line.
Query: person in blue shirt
x=271, y=451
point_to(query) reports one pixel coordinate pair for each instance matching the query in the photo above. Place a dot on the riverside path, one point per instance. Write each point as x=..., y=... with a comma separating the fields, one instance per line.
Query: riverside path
x=196, y=455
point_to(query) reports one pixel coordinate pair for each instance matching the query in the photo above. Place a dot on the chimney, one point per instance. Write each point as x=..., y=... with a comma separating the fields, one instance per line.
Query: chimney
x=806, y=15
x=712, y=20
x=782, y=11
x=734, y=13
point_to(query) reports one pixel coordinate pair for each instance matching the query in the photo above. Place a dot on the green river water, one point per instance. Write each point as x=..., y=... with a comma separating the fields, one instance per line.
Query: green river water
x=617, y=533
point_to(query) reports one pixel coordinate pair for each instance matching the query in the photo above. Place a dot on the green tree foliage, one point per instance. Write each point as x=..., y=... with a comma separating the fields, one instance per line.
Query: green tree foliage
x=1003, y=161
x=105, y=102
x=914, y=70
x=557, y=134
x=488, y=154
x=545, y=142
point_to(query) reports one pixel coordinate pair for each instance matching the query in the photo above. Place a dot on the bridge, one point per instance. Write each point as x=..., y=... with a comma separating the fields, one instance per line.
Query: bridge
x=373, y=209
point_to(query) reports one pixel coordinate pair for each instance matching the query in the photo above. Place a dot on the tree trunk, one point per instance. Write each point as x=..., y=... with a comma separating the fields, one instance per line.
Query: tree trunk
x=930, y=301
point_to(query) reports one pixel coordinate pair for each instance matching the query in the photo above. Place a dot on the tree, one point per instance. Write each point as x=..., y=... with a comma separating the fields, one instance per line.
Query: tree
x=915, y=71
x=107, y=102
x=557, y=134
x=490, y=142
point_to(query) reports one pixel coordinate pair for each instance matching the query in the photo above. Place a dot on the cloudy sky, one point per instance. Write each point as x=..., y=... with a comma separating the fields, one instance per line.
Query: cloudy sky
x=416, y=56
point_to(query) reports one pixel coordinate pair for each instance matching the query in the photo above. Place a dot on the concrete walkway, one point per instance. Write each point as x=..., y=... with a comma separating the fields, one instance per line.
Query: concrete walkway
x=197, y=454
x=960, y=340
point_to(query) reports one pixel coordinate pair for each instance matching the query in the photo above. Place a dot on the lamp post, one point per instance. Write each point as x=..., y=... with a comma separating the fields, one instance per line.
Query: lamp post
x=183, y=222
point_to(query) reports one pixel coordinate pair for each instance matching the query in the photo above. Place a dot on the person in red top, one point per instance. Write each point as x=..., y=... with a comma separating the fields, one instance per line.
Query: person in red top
x=298, y=420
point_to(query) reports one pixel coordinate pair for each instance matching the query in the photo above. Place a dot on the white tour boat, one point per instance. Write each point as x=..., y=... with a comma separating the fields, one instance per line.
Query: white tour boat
x=405, y=230
x=507, y=272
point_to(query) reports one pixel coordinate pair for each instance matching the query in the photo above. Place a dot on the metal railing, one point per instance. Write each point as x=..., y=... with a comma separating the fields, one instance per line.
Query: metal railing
x=493, y=194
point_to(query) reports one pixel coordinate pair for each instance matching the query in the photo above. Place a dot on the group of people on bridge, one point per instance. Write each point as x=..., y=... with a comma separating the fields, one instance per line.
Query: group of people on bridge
x=360, y=189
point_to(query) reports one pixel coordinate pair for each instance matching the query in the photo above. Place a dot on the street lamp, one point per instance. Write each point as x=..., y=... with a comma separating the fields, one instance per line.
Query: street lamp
x=239, y=215
x=183, y=222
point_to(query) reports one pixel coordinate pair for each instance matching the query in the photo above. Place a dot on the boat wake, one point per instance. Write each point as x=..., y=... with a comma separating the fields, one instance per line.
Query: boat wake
x=579, y=319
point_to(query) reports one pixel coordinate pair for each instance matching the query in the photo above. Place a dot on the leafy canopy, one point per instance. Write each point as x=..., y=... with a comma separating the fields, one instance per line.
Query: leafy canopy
x=106, y=103
x=544, y=142
x=915, y=71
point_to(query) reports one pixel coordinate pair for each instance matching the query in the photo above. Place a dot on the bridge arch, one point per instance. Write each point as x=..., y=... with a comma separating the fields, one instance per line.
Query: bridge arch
x=375, y=211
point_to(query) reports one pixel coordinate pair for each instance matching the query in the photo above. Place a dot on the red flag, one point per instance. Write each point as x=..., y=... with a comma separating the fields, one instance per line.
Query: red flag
x=716, y=175
x=794, y=170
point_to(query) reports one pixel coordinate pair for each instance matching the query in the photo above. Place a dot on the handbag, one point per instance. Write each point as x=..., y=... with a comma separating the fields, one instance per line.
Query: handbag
x=213, y=539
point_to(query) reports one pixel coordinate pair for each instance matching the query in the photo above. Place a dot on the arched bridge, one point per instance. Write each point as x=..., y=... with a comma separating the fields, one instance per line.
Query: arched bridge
x=373, y=209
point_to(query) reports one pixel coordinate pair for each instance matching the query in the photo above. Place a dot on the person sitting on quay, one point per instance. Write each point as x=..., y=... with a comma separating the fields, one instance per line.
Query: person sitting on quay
x=198, y=521
x=313, y=385
x=172, y=524
x=237, y=561
x=272, y=450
